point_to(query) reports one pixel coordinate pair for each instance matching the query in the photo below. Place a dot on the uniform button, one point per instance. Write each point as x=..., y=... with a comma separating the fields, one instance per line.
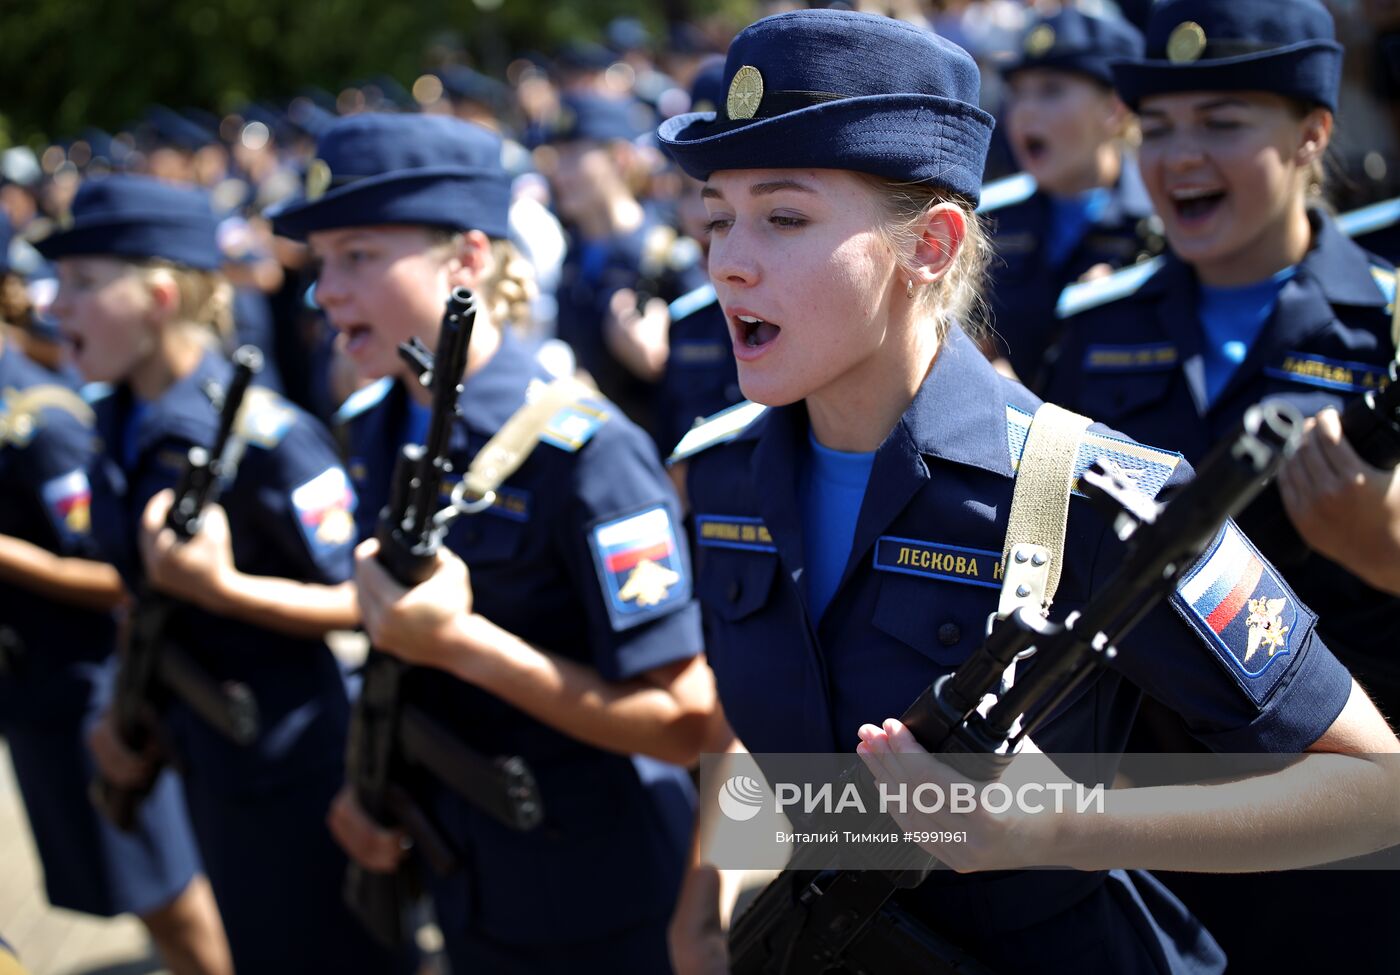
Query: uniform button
x=949, y=634
x=736, y=589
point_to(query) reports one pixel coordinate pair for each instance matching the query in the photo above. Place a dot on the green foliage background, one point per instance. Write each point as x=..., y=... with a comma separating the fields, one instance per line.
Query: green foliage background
x=66, y=64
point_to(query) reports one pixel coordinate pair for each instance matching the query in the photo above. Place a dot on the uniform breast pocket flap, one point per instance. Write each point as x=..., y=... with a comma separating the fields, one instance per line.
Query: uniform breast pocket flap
x=735, y=583
x=1121, y=380
x=935, y=598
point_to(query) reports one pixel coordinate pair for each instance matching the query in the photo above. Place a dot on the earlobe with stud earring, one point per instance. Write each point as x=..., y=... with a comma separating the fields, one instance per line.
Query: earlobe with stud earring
x=909, y=289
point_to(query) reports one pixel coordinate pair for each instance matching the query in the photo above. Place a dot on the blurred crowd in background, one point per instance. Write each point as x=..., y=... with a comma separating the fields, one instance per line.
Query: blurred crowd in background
x=570, y=183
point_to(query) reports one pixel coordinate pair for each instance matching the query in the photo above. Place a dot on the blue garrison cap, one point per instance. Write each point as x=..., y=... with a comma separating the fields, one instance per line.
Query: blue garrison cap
x=138, y=217
x=428, y=170
x=461, y=82
x=1287, y=47
x=601, y=118
x=832, y=89
x=1072, y=40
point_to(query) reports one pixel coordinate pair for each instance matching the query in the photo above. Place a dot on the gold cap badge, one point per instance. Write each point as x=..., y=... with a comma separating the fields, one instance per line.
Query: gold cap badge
x=318, y=180
x=1040, y=40
x=1187, y=43
x=745, y=93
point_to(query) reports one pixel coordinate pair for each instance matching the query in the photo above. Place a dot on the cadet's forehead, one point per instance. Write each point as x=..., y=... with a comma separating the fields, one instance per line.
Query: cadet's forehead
x=734, y=183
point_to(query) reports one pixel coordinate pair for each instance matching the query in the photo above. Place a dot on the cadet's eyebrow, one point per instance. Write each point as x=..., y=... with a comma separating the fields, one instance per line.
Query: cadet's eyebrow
x=765, y=188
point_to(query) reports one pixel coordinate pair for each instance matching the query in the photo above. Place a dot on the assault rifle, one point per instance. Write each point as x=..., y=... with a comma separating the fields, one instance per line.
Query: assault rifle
x=391, y=741
x=808, y=922
x=152, y=667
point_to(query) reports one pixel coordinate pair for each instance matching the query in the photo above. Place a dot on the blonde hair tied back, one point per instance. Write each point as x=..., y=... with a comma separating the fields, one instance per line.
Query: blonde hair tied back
x=509, y=287
x=206, y=297
x=957, y=297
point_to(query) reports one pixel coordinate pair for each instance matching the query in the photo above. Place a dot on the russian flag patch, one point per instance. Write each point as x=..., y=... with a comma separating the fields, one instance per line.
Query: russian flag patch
x=325, y=510
x=640, y=566
x=1244, y=611
x=68, y=500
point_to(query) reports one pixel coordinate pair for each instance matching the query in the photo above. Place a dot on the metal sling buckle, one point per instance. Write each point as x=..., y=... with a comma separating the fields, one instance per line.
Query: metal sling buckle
x=464, y=507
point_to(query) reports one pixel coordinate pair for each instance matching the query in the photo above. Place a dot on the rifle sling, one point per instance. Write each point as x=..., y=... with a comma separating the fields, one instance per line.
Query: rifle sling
x=518, y=436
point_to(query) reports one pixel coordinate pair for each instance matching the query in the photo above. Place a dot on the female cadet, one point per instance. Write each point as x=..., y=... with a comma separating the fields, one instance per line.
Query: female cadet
x=841, y=262
x=580, y=651
x=143, y=306
x=57, y=632
x=1260, y=296
x=1079, y=203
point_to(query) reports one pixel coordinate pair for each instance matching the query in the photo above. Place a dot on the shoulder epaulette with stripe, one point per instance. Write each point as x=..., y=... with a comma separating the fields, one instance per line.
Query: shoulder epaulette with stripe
x=692, y=301
x=362, y=399
x=1006, y=192
x=720, y=428
x=574, y=425
x=1369, y=219
x=1146, y=468
x=264, y=418
x=1121, y=283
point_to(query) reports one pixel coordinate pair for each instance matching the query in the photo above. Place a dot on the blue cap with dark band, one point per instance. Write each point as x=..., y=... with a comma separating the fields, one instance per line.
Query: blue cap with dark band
x=831, y=89
x=1286, y=47
x=425, y=170
x=137, y=217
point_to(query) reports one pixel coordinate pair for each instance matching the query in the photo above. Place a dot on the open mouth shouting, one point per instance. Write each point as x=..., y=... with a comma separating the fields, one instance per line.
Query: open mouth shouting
x=1194, y=205
x=752, y=335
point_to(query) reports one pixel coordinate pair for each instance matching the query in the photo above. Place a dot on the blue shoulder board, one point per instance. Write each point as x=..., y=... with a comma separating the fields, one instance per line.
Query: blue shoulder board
x=692, y=301
x=1121, y=283
x=1006, y=192
x=362, y=399
x=1147, y=468
x=264, y=418
x=574, y=425
x=1369, y=219
x=720, y=428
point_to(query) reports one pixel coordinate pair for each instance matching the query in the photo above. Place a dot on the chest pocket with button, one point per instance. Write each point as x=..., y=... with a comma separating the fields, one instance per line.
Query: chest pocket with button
x=1108, y=396
x=943, y=620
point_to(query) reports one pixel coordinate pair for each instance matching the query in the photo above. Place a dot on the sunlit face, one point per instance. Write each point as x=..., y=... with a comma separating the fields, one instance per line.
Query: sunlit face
x=1057, y=122
x=803, y=275
x=1223, y=169
x=380, y=286
x=103, y=309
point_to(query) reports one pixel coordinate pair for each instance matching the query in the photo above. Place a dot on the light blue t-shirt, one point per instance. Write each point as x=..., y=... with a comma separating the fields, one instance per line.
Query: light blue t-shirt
x=1070, y=217
x=833, y=487
x=1232, y=319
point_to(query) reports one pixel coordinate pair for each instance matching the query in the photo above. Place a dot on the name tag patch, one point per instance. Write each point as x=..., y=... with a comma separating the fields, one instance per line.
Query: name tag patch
x=720, y=531
x=699, y=353
x=1334, y=374
x=974, y=566
x=1130, y=358
x=639, y=566
x=1243, y=611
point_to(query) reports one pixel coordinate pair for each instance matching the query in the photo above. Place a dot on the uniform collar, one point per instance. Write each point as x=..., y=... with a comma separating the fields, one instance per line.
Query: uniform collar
x=1339, y=266
x=959, y=412
x=492, y=395
x=186, y=409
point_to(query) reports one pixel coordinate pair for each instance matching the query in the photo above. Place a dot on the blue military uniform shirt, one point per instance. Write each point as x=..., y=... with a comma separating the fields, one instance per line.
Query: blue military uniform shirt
x=550, y=563
x=290, y=509
x=1025, y=280
x=1136, y=363
x=47, y=446
x=914, y=600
